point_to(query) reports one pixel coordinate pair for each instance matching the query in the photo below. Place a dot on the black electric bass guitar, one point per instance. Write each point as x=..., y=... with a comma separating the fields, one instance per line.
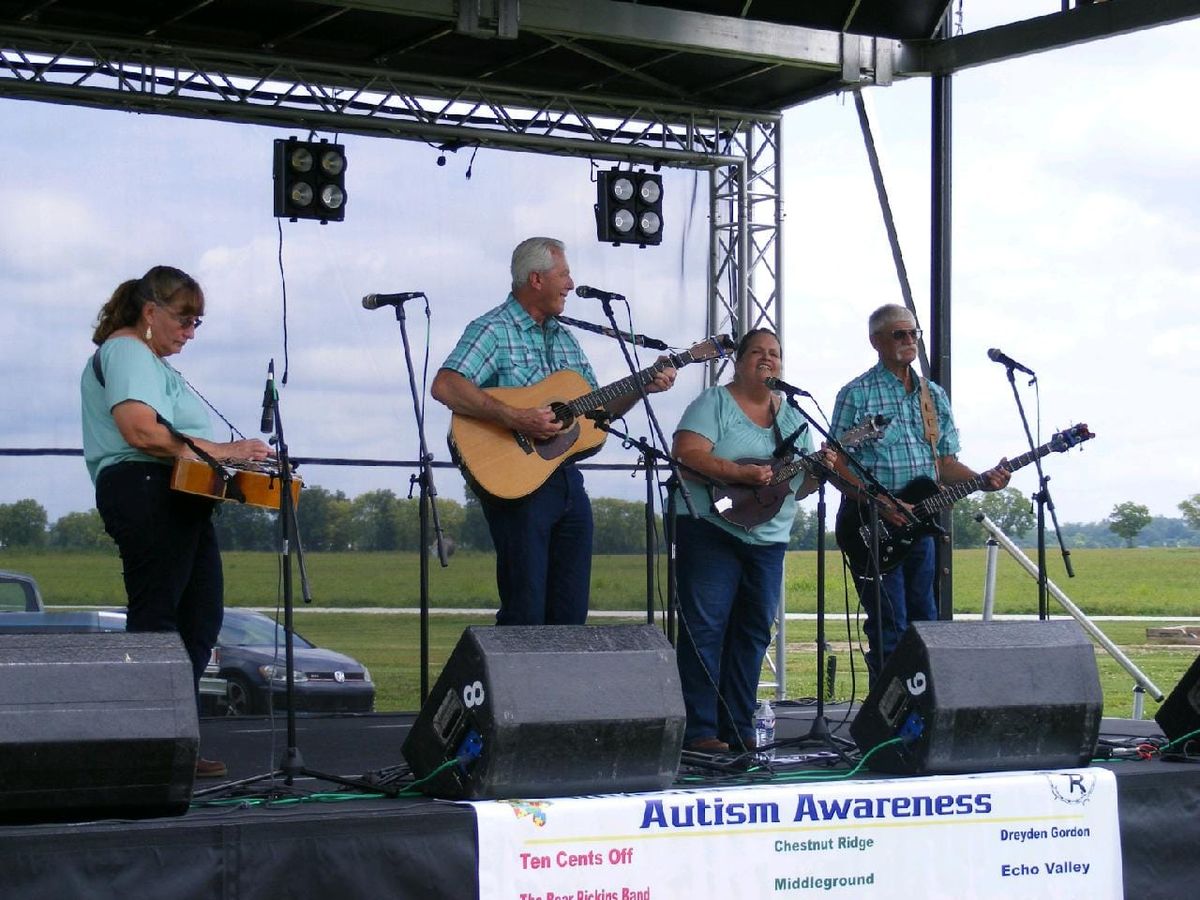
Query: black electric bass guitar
x=927, y=499
x=750, y=505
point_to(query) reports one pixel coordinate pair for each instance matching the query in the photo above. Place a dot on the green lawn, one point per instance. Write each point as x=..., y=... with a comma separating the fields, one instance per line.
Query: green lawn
x=1159, y=583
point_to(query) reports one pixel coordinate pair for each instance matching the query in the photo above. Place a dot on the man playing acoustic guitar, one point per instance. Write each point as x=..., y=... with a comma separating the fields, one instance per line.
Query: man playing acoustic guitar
x=919, y=442
x=543, y=539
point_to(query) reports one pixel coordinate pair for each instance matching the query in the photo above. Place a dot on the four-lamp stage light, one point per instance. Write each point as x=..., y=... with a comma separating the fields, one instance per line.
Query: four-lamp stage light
x=310, y=180
x=628, y=207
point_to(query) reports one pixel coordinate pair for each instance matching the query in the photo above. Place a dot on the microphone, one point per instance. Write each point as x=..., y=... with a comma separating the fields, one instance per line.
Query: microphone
x=996, y=356
x=584, y=291
x=374, y=301
x=778, y=384
x=267, y=425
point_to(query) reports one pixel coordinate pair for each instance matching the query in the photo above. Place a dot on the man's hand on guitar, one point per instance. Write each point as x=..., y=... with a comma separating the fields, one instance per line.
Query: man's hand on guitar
x=997, y=479
x=538, y=423
x=892, y=514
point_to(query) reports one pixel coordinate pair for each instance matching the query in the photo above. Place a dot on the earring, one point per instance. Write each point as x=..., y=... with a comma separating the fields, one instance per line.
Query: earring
x=149, y=334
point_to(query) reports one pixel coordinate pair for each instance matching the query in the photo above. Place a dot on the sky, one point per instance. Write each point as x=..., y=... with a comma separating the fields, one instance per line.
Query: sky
x=1076, y=250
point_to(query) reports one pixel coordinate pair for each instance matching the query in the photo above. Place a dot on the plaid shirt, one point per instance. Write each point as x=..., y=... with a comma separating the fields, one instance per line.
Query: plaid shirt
x=505, y=348
x=902, y=453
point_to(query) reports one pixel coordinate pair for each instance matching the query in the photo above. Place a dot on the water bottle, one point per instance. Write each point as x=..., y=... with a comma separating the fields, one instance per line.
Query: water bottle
x=764, y=728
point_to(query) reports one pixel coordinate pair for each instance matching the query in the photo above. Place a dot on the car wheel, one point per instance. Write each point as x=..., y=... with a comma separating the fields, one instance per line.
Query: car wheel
x=239, y=700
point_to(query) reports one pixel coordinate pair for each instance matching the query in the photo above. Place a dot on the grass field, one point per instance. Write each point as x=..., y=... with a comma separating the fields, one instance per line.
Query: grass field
x=1157, y=583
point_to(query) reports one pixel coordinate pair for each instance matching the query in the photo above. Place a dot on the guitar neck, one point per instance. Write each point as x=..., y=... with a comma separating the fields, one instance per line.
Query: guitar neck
x=949, y=495
x=791, y=470
x=626, y=385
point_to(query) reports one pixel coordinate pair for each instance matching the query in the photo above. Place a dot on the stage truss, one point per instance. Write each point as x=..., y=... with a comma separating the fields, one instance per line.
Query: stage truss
x=741, y=150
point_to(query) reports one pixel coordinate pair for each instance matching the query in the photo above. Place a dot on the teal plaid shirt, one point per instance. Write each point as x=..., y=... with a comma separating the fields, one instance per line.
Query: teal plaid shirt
x=505, y=348
x=902, y=453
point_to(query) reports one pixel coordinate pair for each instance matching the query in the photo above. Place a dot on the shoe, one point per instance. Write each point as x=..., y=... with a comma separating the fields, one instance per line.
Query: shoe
x=707, y=745
x=210, y=768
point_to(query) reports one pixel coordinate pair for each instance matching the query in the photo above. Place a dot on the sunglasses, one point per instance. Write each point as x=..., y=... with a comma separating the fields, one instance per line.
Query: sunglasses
x=901, y=333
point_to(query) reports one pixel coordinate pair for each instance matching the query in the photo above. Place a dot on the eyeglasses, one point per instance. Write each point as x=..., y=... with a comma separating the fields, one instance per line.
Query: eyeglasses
x=901, y=333
x=184, y=321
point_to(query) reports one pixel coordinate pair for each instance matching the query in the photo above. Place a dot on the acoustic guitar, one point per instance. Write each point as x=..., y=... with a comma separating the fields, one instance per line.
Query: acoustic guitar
x=509, y=465
x=750, y=505
x=854, y=533
x=258, y=482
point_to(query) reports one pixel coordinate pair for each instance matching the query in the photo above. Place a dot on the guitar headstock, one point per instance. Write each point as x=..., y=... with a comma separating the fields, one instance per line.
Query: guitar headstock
x=871, y=428
x=714, y=347
x=1070, y=437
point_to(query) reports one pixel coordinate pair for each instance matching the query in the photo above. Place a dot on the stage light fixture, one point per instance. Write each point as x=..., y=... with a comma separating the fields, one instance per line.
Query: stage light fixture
x=628, y=207
x=310, y=180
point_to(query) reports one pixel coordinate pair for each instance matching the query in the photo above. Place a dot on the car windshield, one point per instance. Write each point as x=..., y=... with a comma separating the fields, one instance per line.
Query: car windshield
x=255, y=631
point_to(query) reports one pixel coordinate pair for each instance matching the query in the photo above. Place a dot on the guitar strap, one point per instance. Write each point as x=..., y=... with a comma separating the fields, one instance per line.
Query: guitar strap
x=929, y=416
x=232, y=490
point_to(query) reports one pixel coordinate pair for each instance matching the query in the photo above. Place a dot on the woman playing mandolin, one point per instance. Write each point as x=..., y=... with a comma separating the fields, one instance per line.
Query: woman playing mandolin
x=729, y=576
x=169, y=553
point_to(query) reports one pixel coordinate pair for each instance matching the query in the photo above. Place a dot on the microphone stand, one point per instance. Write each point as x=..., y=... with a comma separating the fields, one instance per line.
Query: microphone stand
x=819, y=732
x=292, y=764
x=652, y=455
x=655, y=428
x=427, y=508
x=657, y=432
x=1044, y=502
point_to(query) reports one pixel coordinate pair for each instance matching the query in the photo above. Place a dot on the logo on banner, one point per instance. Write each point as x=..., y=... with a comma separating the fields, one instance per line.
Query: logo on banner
x=534, y=810
x=1073, y=788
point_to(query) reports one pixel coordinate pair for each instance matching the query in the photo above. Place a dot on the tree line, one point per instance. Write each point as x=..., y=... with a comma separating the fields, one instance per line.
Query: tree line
x=379, y=520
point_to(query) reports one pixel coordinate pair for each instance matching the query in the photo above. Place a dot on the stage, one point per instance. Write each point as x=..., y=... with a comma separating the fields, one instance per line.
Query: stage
x=349, y=847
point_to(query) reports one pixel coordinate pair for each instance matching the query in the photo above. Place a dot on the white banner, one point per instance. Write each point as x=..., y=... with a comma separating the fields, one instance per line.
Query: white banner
x=1023, y=834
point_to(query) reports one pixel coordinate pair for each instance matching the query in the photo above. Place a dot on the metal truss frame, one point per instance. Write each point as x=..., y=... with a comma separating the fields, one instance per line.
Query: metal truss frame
x=740, y=149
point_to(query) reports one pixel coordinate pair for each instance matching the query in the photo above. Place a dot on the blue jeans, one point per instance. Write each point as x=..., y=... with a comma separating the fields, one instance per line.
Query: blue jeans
x=906, y=596
x=728, y=597
x=169, y=554
x=543, y=552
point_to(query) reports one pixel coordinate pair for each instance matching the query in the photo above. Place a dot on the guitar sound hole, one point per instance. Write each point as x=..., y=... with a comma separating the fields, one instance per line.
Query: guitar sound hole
x=563, y=414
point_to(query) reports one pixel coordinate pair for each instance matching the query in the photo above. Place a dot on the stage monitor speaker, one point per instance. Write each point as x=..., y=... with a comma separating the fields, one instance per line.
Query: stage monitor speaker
x=982, y=697
x=551, y=711
x=95, y=726
x=1180, y=712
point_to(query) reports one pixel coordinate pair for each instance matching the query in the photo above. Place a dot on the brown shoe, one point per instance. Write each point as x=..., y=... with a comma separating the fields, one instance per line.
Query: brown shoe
x=210, y=768
x=707, y=745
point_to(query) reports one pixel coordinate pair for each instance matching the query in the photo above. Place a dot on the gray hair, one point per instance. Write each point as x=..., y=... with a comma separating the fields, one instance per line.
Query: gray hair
x=535, y=254
x=886, y=315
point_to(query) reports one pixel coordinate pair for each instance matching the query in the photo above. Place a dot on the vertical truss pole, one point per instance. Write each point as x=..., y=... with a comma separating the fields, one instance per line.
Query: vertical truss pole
x=941, y=139
x=745, y=219
x=746, y=269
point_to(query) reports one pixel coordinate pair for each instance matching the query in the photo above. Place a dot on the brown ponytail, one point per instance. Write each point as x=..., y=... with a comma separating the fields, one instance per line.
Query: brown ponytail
x=164, y=285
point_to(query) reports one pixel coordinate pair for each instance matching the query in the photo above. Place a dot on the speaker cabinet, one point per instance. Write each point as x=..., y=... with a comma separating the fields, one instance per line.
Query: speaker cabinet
x=982, y=697
x=550, y=711
x=95, y=726
x=1180, y=712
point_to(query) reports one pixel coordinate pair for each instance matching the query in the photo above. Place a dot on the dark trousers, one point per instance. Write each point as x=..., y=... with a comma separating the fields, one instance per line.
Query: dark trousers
x=169, y=553
x=543, y=552
x=729, y=594
x=906, y=596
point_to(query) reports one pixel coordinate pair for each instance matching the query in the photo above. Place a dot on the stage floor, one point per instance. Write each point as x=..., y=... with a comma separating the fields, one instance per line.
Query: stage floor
x=422, y=848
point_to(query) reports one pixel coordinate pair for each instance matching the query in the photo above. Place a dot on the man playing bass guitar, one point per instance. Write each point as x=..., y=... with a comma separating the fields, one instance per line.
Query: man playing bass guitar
x=920, y=441
x=543, y=540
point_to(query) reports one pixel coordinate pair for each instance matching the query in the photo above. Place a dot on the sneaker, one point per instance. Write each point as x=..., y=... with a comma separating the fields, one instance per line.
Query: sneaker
x=210, y=768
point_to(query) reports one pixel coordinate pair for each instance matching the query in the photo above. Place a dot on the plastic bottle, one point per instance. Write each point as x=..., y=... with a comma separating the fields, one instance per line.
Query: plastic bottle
x=764, y=728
